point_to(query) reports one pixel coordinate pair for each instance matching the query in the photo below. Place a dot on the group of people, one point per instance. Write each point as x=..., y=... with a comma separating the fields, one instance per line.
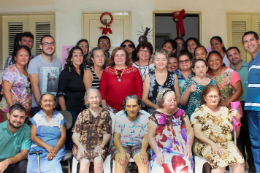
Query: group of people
x=160, y=100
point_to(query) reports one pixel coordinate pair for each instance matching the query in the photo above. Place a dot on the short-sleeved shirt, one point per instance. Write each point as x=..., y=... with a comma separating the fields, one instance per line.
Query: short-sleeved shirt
x=72, y=88
x=243, y=73
x=48, y=75
x=12, y=144
x=132, y=133
x=20, y=91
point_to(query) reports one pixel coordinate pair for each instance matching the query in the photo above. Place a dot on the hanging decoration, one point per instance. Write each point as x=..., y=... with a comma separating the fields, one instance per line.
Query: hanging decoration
x=178, y=17
x=106, y=29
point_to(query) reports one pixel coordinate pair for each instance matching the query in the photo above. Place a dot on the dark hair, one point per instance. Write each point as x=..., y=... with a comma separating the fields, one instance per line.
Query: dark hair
x=46, y=36
x=233, y=47
x=206, y=90
x=26, y=34
x=214, y=52
x=138, y=101
x=197, y=60
x=47, y=93
x=19, y=48
x=189, y=39
x=104, y=37
x=179, y=38
x=91, y=63
x=69, y=63
x=250, y=32
x=83, y=40
x=200, y=47
x=134, y=56
x=17, y=107
x=145, y=44
x=185, y=54
x=111, y=62
x=172, y=42
x=220, y=40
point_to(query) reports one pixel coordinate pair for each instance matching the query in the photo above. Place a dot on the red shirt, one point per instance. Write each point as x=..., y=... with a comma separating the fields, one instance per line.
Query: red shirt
x=114, y=92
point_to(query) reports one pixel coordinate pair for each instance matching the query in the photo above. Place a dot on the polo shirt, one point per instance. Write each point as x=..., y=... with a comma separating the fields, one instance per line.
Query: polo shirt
x=243, y=73
x=12, y=144
x=253, y=91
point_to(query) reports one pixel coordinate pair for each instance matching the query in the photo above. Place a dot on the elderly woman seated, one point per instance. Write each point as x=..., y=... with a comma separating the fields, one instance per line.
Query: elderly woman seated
x=48, y=135
x=213, y=127
x=130, y=137
x=91, y=133
x=170, y=136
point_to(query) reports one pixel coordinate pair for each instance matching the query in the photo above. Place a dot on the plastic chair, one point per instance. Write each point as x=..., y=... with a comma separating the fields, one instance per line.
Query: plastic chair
x=69, y=121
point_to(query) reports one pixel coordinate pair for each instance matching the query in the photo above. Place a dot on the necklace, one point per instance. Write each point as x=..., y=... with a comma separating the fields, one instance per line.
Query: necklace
x=143, y=73
x=119, y=74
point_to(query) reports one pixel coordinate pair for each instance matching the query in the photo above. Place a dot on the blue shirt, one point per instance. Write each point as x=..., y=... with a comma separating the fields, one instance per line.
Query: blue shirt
x=253, y=97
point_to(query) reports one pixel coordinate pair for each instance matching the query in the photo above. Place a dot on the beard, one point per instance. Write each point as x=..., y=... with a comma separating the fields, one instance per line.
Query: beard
x=45, y=53
x=12, y=125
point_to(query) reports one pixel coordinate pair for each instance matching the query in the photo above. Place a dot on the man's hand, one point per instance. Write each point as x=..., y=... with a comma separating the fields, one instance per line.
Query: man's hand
x=3, y=165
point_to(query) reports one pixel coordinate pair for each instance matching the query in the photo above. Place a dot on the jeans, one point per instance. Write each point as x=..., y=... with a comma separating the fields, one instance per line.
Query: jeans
x=254, y=131
x=18, y=167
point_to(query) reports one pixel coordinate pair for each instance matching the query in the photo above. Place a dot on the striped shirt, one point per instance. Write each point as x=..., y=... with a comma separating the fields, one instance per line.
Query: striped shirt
x=96, y=80
x=252, y=97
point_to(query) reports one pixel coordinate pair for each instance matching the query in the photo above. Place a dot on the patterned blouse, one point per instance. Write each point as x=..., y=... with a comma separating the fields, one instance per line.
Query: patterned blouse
x=91, y=130
x=20, y=91
x=144, y=70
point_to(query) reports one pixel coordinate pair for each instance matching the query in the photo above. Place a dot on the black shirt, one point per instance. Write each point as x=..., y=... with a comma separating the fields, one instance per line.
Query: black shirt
x=71, y=86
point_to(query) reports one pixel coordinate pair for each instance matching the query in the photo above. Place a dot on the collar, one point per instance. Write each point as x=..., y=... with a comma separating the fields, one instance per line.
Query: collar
x=5, y=127
x=244, y=64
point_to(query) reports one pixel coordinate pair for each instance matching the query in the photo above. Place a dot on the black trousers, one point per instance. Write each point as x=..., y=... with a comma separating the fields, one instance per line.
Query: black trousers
x=243, y=140
x=19, y=167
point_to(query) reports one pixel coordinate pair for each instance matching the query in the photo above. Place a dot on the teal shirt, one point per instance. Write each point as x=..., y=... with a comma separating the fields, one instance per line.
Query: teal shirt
x=243, y=73
x=12, y=144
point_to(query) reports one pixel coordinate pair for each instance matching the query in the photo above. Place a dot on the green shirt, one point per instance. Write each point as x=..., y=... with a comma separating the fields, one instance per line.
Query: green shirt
x=243, y=73
x=12, y=144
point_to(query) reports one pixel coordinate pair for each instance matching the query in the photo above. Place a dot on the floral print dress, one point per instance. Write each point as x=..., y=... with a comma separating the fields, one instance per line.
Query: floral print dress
x=219, y=130
x=171, y=138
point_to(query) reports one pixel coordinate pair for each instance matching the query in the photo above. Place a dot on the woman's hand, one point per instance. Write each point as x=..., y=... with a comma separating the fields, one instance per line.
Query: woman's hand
x=122, y=158
x=99, y=150
x=188, y=152
x=192, y=88
x=235, y=114
x=160, y=158
x=81, y=152
x=50, y=156
x=216, y=149
x=49, y=148
x=143, y=156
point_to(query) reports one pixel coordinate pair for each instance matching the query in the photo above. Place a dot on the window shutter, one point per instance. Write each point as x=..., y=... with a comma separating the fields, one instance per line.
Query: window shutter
x=41, y=29
x=13, y=29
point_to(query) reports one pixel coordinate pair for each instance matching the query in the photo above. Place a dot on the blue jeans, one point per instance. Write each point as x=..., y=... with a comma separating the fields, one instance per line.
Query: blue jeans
x=254, y=132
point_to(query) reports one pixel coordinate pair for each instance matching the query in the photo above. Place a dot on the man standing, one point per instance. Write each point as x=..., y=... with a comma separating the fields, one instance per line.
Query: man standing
x=104, y=43
x=25, y=39
x=251, y=43
x=15, y=141
x=44, y=71
x=241, y=67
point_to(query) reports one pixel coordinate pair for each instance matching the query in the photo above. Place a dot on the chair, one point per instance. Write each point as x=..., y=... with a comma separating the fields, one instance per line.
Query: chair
x=69, y=121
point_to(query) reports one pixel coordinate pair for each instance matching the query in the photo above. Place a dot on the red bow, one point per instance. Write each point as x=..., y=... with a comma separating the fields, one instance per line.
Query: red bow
x=105, y=30
x=178, y=17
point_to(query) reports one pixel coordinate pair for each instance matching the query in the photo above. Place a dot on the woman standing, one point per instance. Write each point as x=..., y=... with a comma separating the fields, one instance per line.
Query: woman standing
x=16, y=84
x=93, y=75
x=227, y=79
x=180, y=45
x=170, y=136
x=91, y=133
x=173, y=64
x=194, y=86
x=170, y=46
x=119, y=80
x=217, y=44
x=144, y=64
x=71, y=88
x=48, y=135
x=191, y=44
x=201, y=53
x=130, y=47
x=83, y=44
x=213, y=128
x=158, y=79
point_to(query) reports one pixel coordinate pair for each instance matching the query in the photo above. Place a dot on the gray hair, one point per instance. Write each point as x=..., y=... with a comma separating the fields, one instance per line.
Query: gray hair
x=138, y=101
x=47, y=93
x=89, y=91
x=161, y=96
x=95, y=49
x=160, y=51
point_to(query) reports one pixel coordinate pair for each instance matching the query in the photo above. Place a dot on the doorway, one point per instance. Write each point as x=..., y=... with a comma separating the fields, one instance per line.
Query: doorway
x=165, y=27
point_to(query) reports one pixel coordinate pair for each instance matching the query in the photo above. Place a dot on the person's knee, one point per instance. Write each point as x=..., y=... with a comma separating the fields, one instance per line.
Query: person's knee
x=98, y=166
x=22, y=166
x=84, y=164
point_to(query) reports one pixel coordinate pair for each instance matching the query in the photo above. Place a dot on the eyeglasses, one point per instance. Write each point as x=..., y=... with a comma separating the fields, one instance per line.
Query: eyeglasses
x=128, y=45
x=102, y=42
x=82, y=46
x=180, y=44
x=184, y=61
x=77, y=55
x=211, y=97
x=101, y=56
x=48, y=44
x=144, y=51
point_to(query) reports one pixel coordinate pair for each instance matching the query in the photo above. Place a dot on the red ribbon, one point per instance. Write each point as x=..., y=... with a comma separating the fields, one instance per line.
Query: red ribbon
x=178, y=17
x=106, y=30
